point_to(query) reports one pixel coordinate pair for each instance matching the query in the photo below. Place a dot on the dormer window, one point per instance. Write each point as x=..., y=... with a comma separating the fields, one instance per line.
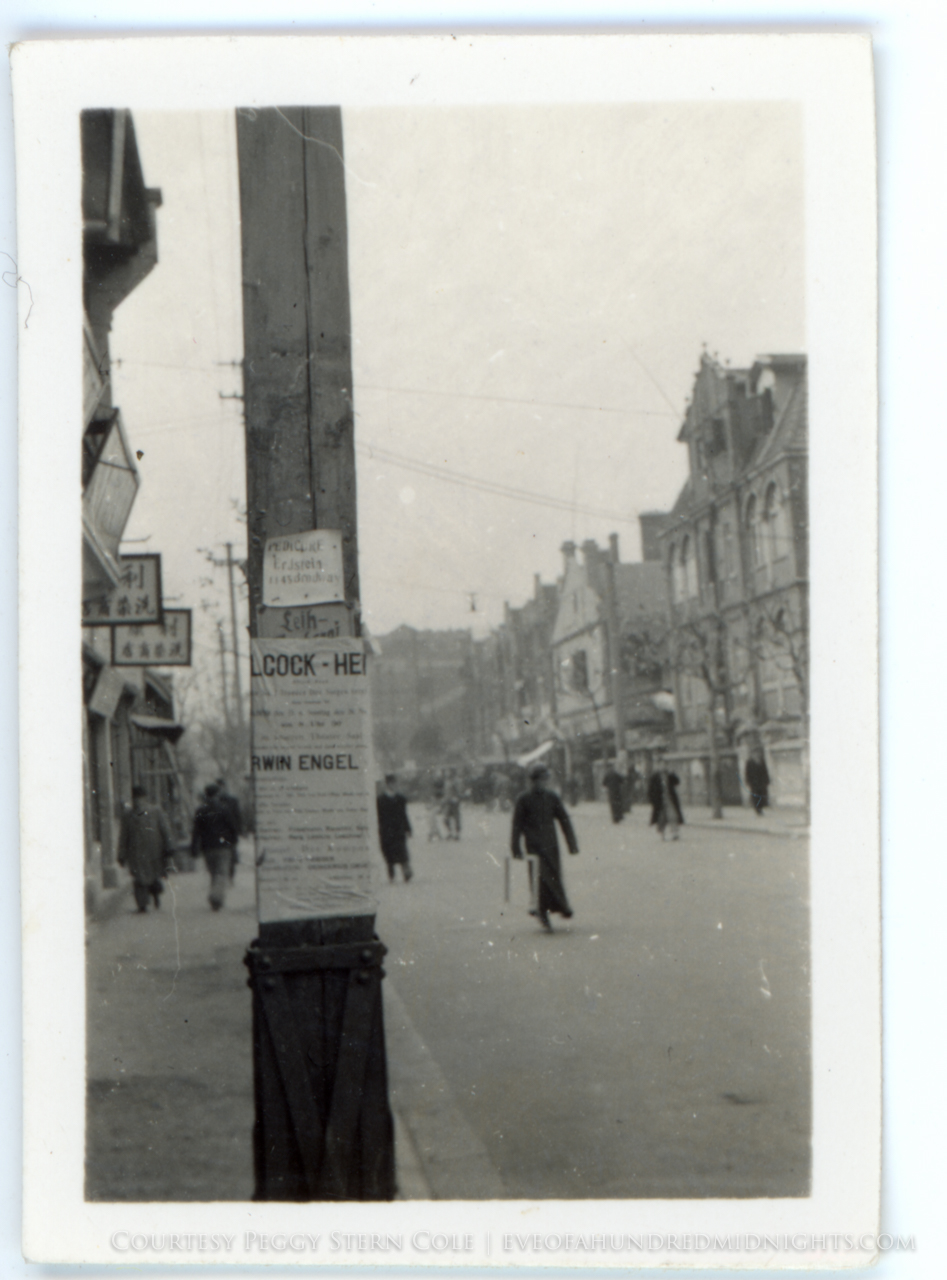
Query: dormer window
x=716, y=438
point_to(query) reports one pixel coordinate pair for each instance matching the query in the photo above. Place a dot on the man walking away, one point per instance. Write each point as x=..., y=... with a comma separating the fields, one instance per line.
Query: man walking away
x=666, y=812
x=145, y=847
x=614, y=784
x=631, y=783
x=534, y=820
x=215, y=837
x=452, y=808
x=757, y=781
x=232, y=804
x=394, y=828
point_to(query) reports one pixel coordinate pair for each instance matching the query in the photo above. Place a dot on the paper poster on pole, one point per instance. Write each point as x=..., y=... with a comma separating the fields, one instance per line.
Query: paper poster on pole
x=303, y=568
x=316, y=823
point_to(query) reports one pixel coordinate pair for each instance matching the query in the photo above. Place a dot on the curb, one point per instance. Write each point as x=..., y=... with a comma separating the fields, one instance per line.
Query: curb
x=791, y=833
x=439, y=1156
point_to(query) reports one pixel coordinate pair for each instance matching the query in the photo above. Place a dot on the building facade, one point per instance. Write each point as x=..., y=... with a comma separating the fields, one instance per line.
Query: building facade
x=128, y=727
x=515, y=678
x=608, y=701
x=735, y=554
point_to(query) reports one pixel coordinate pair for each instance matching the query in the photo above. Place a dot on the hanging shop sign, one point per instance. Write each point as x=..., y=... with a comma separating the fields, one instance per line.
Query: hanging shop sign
x=303, y=569
x=316, y=824
x=156, y=644
x=137, y=598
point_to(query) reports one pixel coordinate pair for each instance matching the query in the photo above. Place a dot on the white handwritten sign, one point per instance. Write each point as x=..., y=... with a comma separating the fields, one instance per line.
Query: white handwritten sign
x=316, y=826
x=303, y=568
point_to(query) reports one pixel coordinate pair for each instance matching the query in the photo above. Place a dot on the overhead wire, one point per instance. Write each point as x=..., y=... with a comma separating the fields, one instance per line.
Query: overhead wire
x=492, y=487
x=537, y=404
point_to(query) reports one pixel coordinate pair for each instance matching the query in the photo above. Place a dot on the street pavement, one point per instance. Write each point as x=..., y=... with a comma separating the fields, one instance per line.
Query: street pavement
x=657, y=1045
x=169, y=1071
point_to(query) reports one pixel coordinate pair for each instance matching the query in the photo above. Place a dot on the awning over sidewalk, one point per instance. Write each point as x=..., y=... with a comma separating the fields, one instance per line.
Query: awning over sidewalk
x=169, y=729
x=536, y=754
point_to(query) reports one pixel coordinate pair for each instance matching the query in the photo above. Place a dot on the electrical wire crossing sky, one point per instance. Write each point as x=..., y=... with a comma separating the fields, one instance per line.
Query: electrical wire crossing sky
x=531, y=290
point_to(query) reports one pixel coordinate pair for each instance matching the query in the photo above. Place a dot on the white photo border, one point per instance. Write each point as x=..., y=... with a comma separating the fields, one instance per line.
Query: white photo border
x=832, y=77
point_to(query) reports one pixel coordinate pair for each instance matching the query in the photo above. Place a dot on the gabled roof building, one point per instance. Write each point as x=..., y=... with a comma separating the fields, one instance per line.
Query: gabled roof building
x=601, y=707
x=735, y=554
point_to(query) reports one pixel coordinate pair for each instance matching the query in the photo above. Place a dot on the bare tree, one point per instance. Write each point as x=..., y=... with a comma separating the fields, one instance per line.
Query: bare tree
x=780, y=634
x=645, y=653
x=697, y=650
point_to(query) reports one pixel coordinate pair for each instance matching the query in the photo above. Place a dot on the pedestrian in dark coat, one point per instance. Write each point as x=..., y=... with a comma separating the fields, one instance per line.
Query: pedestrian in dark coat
x=631, y=783
x=534, y=820
x=451, y=808
x=232, y=804
x=614, y=784
x=757, y=782
x=215, y=837
x=665, y=807
x=145, y=847
x=393, y=829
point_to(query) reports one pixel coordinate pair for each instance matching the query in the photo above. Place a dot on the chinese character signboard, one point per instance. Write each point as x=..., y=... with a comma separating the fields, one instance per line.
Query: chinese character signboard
x=154, y=644
x=303, y=568
x=137, y=598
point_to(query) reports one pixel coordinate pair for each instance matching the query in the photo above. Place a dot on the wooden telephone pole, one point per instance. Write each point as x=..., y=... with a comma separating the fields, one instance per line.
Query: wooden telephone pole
x=323, y=1128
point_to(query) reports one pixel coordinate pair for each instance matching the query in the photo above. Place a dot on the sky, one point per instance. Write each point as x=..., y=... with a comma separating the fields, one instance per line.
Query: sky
x=531, y=290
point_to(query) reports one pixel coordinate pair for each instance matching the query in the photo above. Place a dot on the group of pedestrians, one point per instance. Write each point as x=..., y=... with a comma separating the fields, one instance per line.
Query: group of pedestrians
x=537, y=814
x=443, y=808
x=621, y=789
x=146, y=846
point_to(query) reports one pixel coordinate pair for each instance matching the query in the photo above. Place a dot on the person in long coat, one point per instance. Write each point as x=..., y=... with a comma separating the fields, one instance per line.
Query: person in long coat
x=145, y=847
x=614, y=784
x=665, y=806
x=394, y=827
x=215, y=837
x=231, y=803
x=534, y=821
x=757, y=781
x=631, y=783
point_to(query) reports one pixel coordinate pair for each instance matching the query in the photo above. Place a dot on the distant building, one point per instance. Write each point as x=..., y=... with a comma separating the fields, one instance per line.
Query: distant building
x=602, y=600
x=735, y=553
x=422, y=697
x=515, y=678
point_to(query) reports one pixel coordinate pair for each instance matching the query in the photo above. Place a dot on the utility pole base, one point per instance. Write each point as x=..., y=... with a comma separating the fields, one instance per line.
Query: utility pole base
x=323, y=1127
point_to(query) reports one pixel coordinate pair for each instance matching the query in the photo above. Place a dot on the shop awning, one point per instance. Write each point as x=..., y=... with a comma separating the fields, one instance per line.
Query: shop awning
x=536, y=754
x=169, y=729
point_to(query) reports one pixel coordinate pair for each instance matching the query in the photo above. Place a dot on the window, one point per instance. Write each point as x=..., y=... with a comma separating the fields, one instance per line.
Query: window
x=778, y=533
x=694, y=701
x=580, y=671
x=779, y=687
x=753, y=530
x=677, y=592
x=729, y=550
x=689, y=568
x=717, y=438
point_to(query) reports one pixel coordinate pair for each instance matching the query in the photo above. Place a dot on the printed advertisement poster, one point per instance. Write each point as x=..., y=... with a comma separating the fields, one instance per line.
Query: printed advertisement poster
x=311, y=758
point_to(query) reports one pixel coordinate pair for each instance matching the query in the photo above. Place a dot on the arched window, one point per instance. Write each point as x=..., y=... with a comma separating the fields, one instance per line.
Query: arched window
x=771, y=531
x=675, y=567
x=778, y=535
x=689, y=567
x=753, y=530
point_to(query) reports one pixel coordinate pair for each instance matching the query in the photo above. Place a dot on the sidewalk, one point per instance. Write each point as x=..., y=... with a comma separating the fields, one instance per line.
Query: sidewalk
x=169, y=1072
x=788, y=821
